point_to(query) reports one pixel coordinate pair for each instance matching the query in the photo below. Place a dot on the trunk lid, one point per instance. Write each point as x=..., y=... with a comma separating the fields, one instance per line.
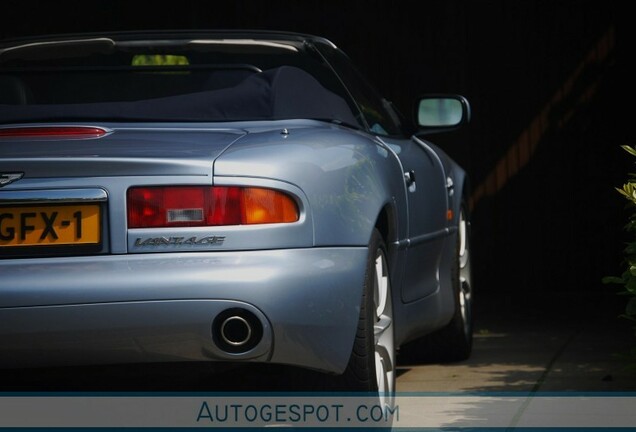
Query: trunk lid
x=135, y=151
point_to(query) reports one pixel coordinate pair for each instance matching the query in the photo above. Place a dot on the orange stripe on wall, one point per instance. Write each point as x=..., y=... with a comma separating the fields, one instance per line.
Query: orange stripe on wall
x=522, y=150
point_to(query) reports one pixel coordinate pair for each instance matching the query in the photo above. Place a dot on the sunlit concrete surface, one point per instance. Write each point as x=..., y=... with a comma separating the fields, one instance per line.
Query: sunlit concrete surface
x=543, y=343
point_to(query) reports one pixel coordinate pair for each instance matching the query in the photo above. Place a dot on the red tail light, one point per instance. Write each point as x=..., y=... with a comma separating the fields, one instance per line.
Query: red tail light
x=189, y=206
x=76, y=132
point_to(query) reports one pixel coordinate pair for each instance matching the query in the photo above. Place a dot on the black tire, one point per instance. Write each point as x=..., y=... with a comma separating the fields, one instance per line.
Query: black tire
x=371, y=367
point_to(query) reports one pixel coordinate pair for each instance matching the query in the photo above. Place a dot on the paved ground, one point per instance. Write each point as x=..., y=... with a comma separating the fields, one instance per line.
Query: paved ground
x=563, y=342
x=566, y=343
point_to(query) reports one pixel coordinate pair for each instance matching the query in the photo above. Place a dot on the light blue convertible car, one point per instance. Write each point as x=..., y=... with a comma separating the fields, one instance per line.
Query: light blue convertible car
x=224, y=196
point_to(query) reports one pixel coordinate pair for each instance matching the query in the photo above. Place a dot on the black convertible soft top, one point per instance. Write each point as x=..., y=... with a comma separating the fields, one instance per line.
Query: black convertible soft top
x=280, y=93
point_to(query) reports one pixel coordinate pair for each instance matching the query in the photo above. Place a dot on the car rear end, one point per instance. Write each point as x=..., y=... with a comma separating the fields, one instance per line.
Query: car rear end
x=114, y=250
x=118, y=244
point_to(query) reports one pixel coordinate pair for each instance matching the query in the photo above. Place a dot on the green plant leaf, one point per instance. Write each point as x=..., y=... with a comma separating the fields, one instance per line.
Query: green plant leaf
x=629, y=149
x=631, y=285
x=613, y=280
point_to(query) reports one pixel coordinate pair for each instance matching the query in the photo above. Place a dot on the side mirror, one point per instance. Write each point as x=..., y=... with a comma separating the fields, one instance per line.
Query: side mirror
x=440, y=113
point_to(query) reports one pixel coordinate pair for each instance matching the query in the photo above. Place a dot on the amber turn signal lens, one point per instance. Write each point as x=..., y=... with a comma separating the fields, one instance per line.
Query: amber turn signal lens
x=268, y=206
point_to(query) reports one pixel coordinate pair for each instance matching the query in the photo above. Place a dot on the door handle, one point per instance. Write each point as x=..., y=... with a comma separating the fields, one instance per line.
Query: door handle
x=409, y=177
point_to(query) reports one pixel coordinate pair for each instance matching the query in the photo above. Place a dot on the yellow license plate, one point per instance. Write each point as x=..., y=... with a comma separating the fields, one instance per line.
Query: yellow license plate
x=50, y=225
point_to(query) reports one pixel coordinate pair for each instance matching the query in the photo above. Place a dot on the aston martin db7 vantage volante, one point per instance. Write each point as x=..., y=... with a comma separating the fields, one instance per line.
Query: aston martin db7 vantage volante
x=224, y=197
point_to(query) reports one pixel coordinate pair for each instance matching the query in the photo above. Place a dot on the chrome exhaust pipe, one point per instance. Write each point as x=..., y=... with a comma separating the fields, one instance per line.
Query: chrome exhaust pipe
x=236, y=330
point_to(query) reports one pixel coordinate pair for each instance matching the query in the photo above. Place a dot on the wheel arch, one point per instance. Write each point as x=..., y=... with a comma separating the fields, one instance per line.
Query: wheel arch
x=462, y=192
x=387, y=225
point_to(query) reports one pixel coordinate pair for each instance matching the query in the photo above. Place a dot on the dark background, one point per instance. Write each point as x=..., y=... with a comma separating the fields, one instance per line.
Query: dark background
x=551, y=87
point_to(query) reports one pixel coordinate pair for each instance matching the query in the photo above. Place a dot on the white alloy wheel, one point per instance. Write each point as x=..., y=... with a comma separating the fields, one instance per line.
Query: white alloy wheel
x=383, y=328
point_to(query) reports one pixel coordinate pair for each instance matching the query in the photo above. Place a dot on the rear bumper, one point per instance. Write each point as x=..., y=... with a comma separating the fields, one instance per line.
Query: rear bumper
x=160, y=307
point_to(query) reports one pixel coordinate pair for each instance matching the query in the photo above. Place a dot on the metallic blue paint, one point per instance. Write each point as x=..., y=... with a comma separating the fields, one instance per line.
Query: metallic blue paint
x=303, y=281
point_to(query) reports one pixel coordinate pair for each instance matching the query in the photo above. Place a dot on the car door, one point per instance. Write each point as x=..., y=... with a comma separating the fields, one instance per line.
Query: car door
x=427, y=200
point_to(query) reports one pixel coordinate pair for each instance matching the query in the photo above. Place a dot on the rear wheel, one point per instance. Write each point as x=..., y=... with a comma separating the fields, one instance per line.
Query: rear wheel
x=372, y=364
